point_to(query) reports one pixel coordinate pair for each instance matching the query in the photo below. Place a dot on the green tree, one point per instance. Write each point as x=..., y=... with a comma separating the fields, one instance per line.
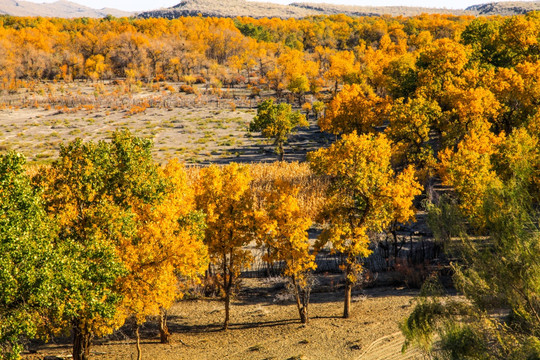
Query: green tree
x=318, y=109
x=277, y=122
x=499, y=273
x=29, y=260
x=299, y=85
x=89, y=191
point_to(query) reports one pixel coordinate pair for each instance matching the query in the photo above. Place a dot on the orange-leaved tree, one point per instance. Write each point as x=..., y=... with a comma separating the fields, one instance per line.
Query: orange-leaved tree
x=355, y=108
x=224, y=195
x=283, y=228
x=365, y=195
x=340, y=65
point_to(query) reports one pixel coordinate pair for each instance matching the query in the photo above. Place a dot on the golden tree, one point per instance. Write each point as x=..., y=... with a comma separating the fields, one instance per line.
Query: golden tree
x=224, y=195
x=169, y=244
x=365, y=195
x=355, y=108
x=283, y=227
x=469, y=169
x=409, y=127
x=470, y=109
x=341, y=64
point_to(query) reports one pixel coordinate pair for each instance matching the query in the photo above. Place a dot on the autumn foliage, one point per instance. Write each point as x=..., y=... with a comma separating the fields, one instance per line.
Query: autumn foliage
x=365, y=196
x=415, y=105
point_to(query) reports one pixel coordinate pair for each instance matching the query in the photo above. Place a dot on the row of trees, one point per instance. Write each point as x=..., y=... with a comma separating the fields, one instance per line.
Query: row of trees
x=428, y=80
x=297, y=55
x=160, y=48
x=105, y=234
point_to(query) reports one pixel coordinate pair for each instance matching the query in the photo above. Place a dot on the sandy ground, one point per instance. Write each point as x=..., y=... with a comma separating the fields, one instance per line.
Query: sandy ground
x=264, y=325
x=193, y=129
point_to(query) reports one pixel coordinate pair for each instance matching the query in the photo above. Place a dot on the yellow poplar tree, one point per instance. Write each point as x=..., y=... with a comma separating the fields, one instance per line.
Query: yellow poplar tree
x=365, y=195
x=284, y=232
x=469, y=170
x=340, y=65
x=471, y=109
x=224, y=195
x=483, y=162
x=95, y=66
x=355, y=108
x=409, y=126
x=169, y=244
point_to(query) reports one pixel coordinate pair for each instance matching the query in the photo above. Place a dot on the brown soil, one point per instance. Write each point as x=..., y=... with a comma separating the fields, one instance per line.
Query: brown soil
x=265, y=325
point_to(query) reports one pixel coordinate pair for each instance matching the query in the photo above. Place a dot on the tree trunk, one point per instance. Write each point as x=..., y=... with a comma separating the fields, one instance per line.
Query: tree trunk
x=81, y=342
x=138, y=336
x=164, y=335
x=304, y=317
x=227, y=309
x=302, y=308
x=280, y=151
x=347, y=304
x=227, y=286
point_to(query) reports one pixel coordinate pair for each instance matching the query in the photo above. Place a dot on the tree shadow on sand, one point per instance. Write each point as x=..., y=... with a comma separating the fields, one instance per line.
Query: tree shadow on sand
x=296, y=149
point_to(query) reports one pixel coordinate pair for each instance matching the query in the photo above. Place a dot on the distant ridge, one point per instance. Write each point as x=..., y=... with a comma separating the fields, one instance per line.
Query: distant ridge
x=234, y=8
x=505, y=8
x=331, y=9
x=254, y=9
x=61, y=9
x=230, y=8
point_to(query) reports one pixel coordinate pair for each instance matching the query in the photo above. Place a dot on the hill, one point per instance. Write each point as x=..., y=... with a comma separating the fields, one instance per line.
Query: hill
x=61, y=8
x=233, y=8
x=330, y=9
x=505, y=8
x=254, y=9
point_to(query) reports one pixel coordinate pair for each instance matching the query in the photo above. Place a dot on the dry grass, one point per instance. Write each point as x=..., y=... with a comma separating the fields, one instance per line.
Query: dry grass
x=312, y=189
